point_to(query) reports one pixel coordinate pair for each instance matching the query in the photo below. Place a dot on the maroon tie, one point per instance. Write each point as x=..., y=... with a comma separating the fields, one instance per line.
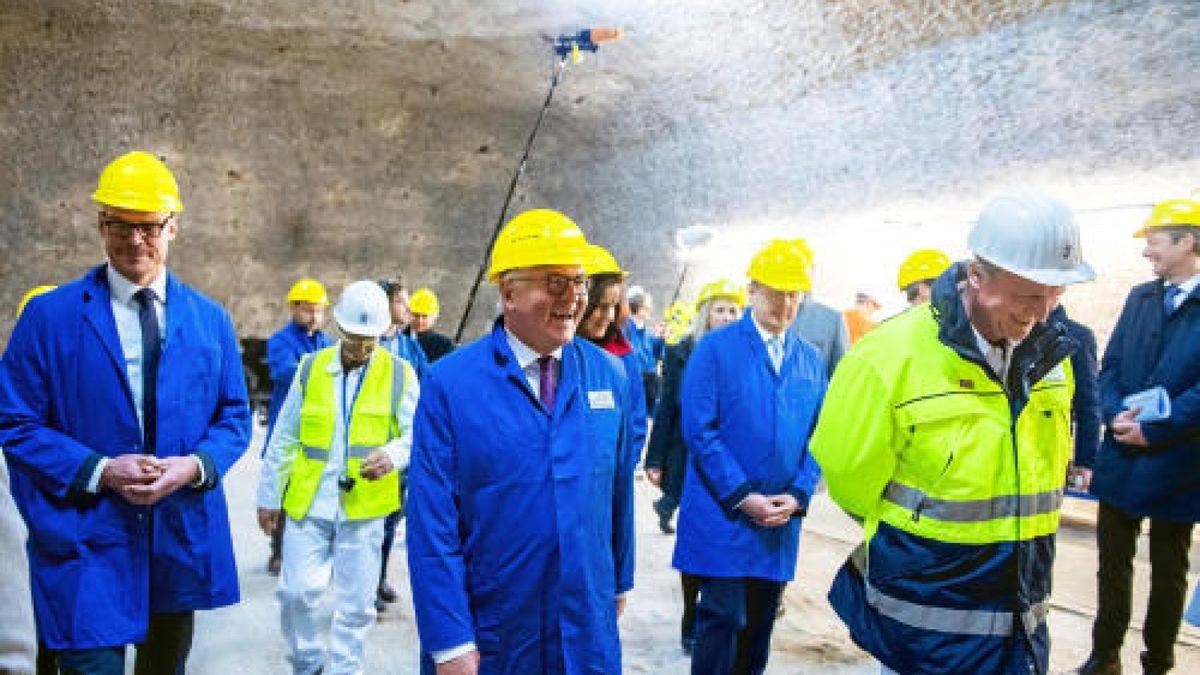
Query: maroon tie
x=546, y=381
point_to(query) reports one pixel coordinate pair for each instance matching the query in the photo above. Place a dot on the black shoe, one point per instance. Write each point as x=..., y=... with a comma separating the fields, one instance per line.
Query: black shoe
x=386, y=592
x=687, y=646
x=664, y=518
x=380, y=606
x=274, y=564
x=1100, y=664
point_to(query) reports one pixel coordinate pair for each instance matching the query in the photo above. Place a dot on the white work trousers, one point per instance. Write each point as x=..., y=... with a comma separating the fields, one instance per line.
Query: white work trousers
x=315, y=552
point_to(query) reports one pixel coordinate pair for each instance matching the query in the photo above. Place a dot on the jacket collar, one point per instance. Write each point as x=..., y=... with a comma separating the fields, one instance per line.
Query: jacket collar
x=1047, y=345
x=568, y=372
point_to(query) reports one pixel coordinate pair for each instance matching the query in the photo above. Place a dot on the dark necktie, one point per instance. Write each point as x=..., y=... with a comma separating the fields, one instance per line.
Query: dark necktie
x=1170, y=293
x=546, y=381
x=151, y=350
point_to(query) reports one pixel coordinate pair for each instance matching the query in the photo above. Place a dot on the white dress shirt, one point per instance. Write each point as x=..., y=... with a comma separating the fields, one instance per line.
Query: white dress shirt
x=1186, y=287
x=285, y=440
x=125, y=309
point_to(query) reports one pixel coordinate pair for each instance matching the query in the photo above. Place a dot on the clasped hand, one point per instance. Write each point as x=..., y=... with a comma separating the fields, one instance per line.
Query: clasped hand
x=144, y=479
x=769, y=511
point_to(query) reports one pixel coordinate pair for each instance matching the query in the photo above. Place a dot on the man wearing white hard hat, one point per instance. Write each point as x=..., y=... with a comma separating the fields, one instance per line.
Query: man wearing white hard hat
x=946, y=432
x=331, y=470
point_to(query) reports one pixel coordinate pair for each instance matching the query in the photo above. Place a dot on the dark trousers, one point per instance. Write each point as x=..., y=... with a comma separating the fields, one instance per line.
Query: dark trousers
x=652, y=385
x=277, y=538
x=734, y=619
x=165, y=651
x=1116, y=539
x=691, y=591
x=389, y=528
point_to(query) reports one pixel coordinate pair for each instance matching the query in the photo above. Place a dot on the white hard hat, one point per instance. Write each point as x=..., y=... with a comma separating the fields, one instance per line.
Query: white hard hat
x=1033, y=235
x=363, y=309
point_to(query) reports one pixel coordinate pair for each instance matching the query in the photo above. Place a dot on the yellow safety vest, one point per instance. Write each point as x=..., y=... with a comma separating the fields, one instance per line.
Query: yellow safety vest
x=913, y=435
x=372, y=424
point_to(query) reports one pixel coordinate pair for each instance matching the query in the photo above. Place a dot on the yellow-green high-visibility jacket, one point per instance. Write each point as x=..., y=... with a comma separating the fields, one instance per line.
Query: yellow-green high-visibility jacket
x=958, y=486
x=372, y=425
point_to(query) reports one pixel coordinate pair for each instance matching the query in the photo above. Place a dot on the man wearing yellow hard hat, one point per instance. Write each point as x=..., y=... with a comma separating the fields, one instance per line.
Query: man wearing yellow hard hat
x=749, y=403
x=306, y=302
x=917, y=273
x=425, y=308
x=1148, y=465
x=520, y=512
x=819, y=324
x=124, y=405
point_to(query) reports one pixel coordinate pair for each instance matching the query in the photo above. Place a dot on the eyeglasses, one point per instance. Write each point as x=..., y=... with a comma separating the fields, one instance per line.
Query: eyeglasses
x=124, y=228
x=557, y=284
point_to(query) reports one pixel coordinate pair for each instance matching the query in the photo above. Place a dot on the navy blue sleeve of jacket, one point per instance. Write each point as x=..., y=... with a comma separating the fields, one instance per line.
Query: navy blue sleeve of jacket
x=435, y=551
x=228, y=433
x=1110, y=369
x=1086, y=403
x=666, y=416
x=1183, y=424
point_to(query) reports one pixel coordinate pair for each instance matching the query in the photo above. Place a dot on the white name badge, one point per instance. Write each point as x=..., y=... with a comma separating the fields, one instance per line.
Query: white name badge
x=1056, y=374
x=601, y=400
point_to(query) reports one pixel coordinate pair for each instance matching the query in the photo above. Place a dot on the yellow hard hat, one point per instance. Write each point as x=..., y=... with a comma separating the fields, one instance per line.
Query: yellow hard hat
x=602, y=262
x=424, y=302
x=782, y=265
x=676, y=310
x=138, y=181
x=1172, y=212
x=722, y=288
x=32, y=293
x=921, y=265
x=308, y=290
x=802, y=244
x=538, y=237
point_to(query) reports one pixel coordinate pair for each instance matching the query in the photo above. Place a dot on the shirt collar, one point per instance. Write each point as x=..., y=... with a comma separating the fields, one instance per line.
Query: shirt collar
x=335, y=364
x=123, y=289
x=763, y=332
x=526, y=356
x=985, y=345
x=1190, y=285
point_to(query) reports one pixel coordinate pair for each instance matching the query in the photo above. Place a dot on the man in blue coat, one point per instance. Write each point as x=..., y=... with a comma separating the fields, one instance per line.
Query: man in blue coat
x=520, y=513
x=750, y=398
x=307, y=301
x=122, y=404
x=1150, y=468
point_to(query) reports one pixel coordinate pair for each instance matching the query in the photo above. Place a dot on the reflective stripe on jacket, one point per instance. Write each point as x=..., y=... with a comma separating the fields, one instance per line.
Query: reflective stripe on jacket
x=372, y=424
x=958, y=485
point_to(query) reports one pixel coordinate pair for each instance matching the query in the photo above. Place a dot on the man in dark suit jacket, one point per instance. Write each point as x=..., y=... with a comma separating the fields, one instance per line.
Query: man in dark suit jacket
x=1151, y=468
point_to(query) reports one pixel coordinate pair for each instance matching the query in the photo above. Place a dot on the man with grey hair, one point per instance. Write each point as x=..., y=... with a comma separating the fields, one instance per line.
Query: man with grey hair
x=946, y=433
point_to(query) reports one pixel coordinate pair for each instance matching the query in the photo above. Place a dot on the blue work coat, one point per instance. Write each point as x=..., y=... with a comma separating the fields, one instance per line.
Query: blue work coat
x=284, y=351
x=747, y=430
x=1148, y=349
x=65, y=402
x=637, y=407
x=648, y=347
x=520, y=520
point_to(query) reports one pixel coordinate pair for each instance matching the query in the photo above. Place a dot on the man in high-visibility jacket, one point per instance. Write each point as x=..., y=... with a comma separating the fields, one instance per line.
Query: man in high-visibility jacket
x=520, y=511
x=343, y=430
x=946, y=432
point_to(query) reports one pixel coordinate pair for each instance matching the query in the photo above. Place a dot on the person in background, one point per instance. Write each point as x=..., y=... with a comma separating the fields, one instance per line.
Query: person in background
x=861, y=317
x=603, y=316
x=122, y=406
x=749, y=402
x=647, y=342
x=520, y=530
x=343, y=431
x=720, y=304
x=678, y=319
x=917, y=273
x=306, y=301
x=820, y=325
x=1085, y=404
x=399, y=342
x=1148, y=467
x=424, y=308
x=946, y=433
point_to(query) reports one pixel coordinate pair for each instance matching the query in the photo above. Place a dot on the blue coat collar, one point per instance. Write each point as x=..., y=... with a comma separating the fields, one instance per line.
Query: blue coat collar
x=568, y=377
